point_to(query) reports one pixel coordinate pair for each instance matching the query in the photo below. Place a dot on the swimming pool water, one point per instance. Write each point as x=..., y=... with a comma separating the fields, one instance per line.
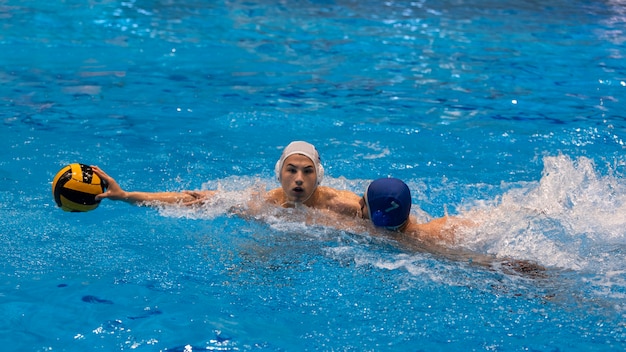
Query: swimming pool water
x=511, y=114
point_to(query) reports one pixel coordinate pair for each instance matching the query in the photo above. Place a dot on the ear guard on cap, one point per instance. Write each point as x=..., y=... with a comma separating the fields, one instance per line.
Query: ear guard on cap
x=277, y=169
x=380, y=218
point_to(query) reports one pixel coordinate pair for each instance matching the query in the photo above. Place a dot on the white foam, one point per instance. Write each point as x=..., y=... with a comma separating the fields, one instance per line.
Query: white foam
x=562, y=220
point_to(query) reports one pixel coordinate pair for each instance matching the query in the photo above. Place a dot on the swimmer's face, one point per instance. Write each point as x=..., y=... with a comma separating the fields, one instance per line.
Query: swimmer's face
x=298, y=178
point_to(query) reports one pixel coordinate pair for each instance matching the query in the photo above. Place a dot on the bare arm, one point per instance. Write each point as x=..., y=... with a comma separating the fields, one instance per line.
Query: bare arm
x=115, y=192
x=442, y=230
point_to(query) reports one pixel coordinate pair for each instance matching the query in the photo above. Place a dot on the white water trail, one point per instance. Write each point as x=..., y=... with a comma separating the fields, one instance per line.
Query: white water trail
x=571, y=218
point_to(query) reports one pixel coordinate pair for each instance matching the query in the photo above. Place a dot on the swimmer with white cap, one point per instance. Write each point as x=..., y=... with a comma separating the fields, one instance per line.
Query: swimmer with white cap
x=299, y=171
x=387, y=201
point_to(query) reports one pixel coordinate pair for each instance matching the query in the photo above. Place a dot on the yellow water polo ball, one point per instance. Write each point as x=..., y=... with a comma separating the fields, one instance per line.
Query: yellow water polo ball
x=75, y=187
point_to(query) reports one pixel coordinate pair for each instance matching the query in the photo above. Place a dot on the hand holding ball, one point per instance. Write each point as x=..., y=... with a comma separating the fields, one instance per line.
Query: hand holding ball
x=75, y=187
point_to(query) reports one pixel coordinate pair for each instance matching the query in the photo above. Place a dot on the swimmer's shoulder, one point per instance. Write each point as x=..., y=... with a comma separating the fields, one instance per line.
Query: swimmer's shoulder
x=333, y=193
x=274, y=196
x=340, y=201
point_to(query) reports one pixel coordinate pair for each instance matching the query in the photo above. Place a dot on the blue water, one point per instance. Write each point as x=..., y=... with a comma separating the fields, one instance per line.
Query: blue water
x=508, y=113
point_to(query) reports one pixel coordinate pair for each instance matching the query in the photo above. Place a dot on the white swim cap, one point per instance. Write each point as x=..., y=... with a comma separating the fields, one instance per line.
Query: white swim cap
x=303, y=148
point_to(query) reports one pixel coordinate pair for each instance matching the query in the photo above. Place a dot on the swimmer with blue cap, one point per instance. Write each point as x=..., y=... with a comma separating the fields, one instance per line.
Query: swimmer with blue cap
x=387, y=203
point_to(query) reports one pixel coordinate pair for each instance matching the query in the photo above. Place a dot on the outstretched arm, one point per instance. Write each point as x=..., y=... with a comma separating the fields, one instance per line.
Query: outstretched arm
x=115, y=192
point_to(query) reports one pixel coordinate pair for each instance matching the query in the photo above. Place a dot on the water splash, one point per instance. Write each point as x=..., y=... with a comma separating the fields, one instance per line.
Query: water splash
x=572, y=218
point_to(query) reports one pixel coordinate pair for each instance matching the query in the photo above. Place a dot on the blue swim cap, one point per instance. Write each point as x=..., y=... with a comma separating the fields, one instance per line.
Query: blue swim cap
x=388, y=202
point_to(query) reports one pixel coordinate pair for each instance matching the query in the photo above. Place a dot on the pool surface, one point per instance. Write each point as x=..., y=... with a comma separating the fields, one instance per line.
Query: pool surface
x=509, y=114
